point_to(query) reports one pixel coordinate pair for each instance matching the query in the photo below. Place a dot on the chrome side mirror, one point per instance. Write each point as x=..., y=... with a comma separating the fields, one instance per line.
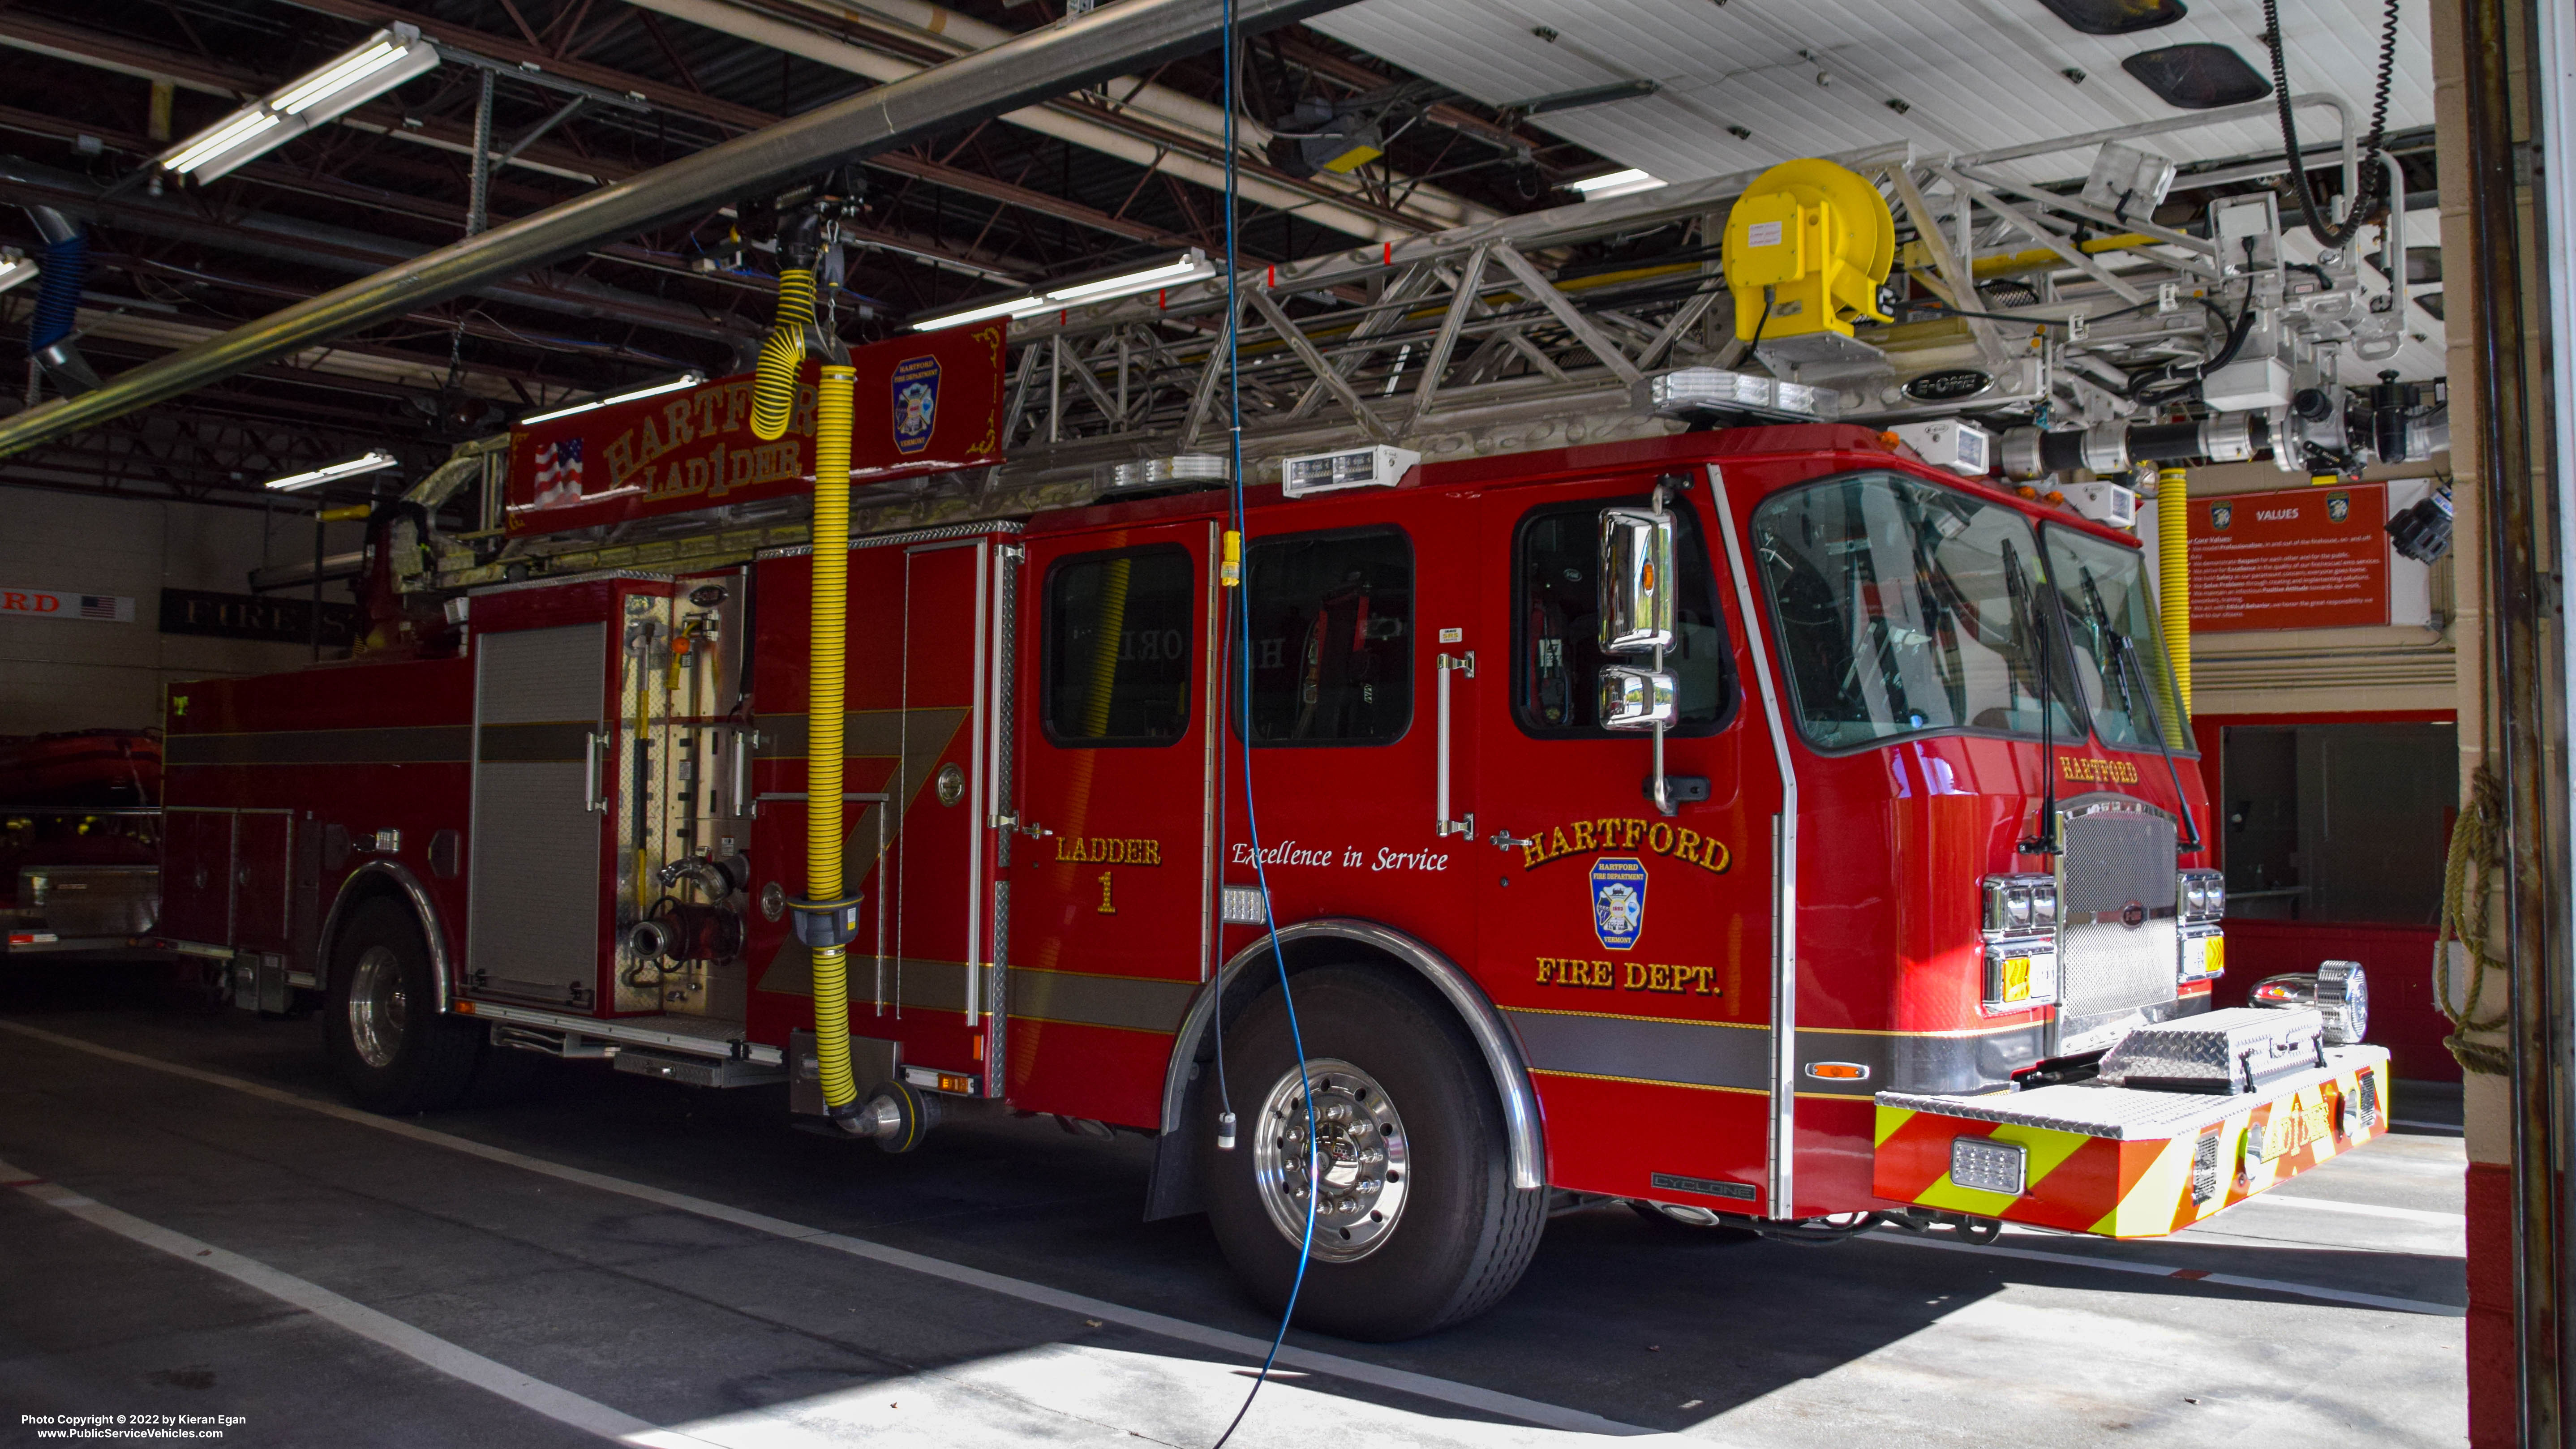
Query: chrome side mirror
x=1637, y=583
x=1636, y=699
x=2339, y=990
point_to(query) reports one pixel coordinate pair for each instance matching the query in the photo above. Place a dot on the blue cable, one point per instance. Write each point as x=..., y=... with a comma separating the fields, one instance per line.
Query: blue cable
x=1242, y=609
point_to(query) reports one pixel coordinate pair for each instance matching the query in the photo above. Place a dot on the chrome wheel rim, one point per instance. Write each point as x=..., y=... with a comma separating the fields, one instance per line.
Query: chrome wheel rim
x=378, y=1005
x=1361, y=1160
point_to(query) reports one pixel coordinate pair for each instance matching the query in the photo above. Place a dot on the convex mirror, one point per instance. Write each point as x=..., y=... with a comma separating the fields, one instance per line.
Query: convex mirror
x=1636, y=699
x=1637, y=583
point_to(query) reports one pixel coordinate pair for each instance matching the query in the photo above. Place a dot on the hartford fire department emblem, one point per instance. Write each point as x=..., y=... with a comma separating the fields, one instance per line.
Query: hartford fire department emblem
x=1618, y=901
x=916, y=402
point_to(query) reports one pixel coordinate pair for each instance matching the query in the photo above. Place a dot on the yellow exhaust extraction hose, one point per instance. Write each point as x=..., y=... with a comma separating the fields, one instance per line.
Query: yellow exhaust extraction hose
x=824, y=704
x=2173, y=591
x=782, y=354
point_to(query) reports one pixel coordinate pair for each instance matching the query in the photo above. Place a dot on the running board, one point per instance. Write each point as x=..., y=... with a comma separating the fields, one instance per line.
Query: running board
x=626, y=1033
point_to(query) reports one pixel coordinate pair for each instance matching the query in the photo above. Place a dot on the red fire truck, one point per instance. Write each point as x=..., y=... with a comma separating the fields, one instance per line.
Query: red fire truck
x=1757, y=825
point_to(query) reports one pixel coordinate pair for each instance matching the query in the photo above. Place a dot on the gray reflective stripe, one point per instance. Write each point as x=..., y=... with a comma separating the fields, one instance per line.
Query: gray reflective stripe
x=1917, y=1061
x=1689, y=1053
x=529, y=744
x=1714, y=1054
x=864, y=732
x=1133, y=1003
x=406, y=745
x=924, y=984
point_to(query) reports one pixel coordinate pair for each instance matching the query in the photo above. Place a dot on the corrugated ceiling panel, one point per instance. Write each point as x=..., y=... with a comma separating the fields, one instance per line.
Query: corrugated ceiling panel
x=1976, y=74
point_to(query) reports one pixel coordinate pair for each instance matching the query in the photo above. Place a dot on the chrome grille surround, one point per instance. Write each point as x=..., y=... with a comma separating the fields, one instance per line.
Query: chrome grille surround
x=2117, y=863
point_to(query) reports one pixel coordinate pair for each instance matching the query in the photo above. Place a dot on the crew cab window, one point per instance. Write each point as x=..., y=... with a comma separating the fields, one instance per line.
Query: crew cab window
x=1904, y=608
x=1332, y=638
x=1556, y=625
x=2119, y=658
x=1118, y=648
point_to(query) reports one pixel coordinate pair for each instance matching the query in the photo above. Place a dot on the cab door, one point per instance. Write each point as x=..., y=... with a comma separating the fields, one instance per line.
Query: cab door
x=1627, y=944
x=1110, y=847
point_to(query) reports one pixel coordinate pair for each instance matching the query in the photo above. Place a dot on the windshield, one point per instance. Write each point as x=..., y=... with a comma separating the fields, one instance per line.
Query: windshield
x=1904, y=608
x=2120, y=656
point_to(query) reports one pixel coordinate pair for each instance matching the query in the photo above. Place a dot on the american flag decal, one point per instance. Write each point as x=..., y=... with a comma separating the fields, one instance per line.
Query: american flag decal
x=98, y=606
x=558, y=478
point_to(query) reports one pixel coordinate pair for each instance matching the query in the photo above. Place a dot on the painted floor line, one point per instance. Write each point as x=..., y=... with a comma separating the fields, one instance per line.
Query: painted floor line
x=2358, y=1209
x=1424, y=1386
x=559, y=1404
x=2187, y=1275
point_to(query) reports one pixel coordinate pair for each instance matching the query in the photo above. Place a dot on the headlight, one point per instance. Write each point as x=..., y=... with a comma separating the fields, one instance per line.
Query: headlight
x=2195, y=897
x=2044, y=905
x=2017, y=906
x=2218, y=896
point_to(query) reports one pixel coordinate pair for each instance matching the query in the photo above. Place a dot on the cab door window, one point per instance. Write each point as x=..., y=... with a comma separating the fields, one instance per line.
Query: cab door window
x=1556, y=625
x=1117, y=648
x=1332, y=638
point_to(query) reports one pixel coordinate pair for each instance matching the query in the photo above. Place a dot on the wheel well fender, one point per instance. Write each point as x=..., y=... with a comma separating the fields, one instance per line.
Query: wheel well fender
x=1331, y=939
x=385, y=880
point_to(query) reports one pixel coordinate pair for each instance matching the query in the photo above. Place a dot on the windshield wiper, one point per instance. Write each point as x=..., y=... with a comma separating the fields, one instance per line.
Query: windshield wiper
x=2127, y=653
x=2026, y=616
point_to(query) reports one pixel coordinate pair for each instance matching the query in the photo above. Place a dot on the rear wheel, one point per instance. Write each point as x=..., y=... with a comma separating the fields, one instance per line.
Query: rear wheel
x=390, y=1045
x=1416, y=1224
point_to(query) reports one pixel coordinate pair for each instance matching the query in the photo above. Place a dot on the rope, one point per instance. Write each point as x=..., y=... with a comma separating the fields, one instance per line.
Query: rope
x=2468, y=884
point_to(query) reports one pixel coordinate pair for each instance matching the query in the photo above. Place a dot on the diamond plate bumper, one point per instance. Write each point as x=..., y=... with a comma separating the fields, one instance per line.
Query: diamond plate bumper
x=2127, y=1163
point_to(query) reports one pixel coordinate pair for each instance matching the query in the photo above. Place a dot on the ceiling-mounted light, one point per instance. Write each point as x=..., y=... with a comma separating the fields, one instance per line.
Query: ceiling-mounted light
x=1588, y=96
x=15, y=267
x=684, y=380
x=387, y=58
x=1191, y=266
x=1615, y=183
x=368, y=462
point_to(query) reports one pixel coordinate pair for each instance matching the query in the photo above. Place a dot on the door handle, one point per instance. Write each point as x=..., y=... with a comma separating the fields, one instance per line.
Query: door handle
x=593, y=798
x=1464, y=663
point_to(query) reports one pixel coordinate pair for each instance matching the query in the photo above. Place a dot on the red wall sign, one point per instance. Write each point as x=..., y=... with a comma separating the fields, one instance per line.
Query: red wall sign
x=926, y=404
x=2301, y=558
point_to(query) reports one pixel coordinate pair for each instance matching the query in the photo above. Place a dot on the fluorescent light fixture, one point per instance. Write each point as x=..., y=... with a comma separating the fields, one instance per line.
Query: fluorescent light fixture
x=385, y=60
x=368, y=462
x=1615, y=183
x=15, y=267
x=684, y=380
x=1192, y=265
x=1009, y=307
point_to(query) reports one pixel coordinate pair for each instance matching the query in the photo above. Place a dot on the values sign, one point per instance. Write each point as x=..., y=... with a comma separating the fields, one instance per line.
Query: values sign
x=285, y=619
x=56, y=604
x=2302, y=558
x=926, y=404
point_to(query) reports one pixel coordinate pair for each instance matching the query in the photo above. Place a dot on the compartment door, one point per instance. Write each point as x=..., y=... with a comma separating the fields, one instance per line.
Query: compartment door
x=1112, y=861
x=535, y=877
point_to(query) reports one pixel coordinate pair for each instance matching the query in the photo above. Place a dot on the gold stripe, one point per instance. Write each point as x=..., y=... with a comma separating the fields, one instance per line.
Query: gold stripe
x=1625, y=1016
x=1645, y=1082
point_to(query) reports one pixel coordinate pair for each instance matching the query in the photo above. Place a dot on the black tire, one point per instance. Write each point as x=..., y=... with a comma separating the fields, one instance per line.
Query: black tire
x=1464, y=1233
x=414, y=1059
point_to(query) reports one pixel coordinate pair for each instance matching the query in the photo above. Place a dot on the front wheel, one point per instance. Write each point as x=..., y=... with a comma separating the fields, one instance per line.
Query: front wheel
x=1416, y=1225
x=388, y=1042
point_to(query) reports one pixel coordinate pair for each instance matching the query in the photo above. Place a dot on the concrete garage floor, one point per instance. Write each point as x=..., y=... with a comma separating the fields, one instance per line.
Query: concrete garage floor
x=623, y=1258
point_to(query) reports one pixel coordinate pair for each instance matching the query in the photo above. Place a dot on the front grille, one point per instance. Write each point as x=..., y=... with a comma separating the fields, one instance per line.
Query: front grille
x=2119, y=862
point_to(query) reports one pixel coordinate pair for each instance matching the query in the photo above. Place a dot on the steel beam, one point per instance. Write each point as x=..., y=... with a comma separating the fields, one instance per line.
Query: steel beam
x=1045, y=62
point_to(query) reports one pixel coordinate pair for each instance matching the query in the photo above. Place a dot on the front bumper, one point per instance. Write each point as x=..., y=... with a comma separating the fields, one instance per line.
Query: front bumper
x=2123, y=1162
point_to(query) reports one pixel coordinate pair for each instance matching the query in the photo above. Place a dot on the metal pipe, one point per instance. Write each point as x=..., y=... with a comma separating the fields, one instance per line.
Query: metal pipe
x=1045, y=62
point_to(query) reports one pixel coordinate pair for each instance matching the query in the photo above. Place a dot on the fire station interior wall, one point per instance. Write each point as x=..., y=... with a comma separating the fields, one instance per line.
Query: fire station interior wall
x=70, y=674
x=2328, y=671
x=2334, y=821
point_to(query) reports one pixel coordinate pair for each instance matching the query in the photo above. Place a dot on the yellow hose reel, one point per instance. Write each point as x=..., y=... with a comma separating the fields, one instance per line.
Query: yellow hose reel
x=1816, y=241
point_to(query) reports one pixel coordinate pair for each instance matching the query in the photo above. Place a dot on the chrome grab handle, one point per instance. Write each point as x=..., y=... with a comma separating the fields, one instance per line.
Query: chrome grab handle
x=593, y=798
x=1465, y=664
x=745, y=744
